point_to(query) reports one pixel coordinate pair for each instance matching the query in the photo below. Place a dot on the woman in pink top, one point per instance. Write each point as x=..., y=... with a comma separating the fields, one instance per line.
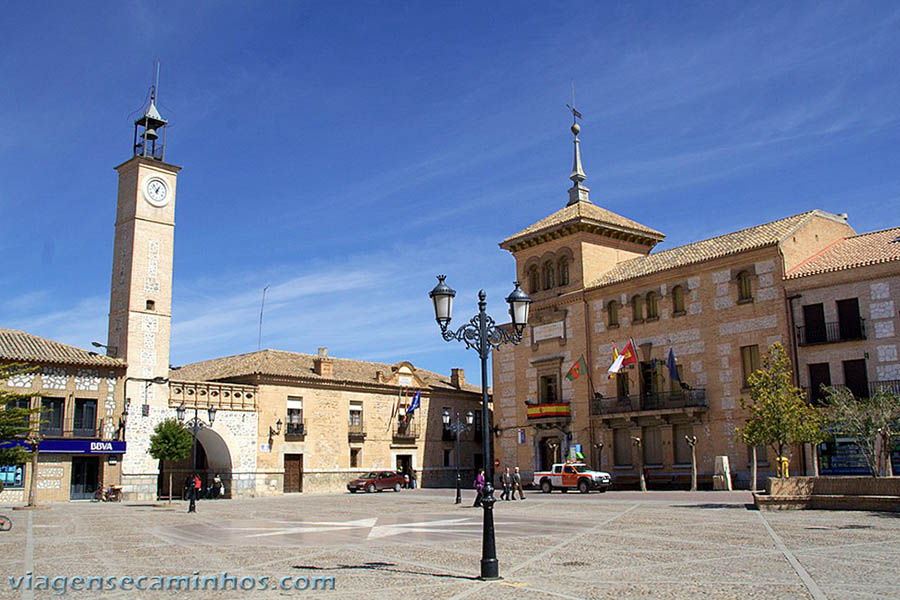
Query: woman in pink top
x=479, y=485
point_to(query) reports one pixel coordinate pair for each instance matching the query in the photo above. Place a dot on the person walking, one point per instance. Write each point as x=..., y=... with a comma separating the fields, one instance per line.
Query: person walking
x=517, y=485
x=479, y=485
x=506, y=481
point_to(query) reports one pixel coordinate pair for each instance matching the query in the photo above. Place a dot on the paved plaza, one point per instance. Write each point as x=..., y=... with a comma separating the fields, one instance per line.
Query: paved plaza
x=418, y=544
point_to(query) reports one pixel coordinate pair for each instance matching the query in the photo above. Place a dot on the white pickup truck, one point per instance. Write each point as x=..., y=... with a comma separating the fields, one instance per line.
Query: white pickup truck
x=566, y=476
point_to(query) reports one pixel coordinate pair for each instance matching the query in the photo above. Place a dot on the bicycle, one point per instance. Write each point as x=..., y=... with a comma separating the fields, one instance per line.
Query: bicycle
x=108, y=494
x=5, y=523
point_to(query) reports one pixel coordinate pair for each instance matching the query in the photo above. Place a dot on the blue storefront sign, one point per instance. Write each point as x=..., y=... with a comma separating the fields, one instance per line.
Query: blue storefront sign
x=72, y=446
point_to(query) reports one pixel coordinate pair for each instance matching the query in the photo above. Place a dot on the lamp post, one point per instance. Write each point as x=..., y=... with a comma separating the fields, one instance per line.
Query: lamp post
x=457, y=428
x=598, y=448
x=195, y=425
x=482, y=335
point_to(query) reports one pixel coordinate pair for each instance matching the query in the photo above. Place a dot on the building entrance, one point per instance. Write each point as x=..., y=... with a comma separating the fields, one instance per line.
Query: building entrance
x=213, y=458
x=293, y=473
x=84, y=478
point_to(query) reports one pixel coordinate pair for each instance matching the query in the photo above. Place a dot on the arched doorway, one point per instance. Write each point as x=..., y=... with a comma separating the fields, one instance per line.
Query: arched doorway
x=213, y=457
x=549, y=449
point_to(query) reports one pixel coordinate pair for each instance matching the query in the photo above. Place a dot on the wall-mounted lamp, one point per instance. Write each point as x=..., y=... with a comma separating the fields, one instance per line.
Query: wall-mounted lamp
x=277, y=430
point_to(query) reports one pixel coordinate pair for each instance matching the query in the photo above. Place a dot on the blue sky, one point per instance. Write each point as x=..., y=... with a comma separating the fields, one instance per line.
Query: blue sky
x=345, y=153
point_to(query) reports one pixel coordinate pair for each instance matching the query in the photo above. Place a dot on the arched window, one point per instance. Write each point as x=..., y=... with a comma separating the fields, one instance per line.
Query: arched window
x=745, y=293
x=678, y=300
x=652, y=306
x=637, y=309
x=612, y=314
x=549, y=280
x=564, y=272
x=533, y=282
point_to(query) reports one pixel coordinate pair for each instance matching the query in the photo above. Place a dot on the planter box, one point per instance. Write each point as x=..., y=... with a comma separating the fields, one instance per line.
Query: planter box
x=831, y=493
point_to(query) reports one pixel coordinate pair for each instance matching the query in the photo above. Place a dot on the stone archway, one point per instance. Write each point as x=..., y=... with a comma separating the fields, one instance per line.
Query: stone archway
x=213, y=456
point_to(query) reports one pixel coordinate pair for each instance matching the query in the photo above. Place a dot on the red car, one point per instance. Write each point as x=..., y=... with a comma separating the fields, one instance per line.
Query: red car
x=377, y=481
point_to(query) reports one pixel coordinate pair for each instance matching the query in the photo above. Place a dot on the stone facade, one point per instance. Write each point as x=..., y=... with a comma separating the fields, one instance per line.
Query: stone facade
x=606, y=288
x=70, y=385
x=332, y=429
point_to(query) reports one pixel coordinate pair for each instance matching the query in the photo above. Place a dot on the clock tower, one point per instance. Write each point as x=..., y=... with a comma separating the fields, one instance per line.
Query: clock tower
x=140, y=302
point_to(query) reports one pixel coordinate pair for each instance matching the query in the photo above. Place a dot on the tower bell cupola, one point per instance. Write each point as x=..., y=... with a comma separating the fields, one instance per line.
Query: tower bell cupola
x=150, y=132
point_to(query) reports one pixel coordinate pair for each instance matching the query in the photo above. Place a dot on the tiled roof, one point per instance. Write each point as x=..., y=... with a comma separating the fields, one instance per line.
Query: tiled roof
x=848, y=253
x=294, y=364
x=18, y=346
x=717, y=247
x=585, y=212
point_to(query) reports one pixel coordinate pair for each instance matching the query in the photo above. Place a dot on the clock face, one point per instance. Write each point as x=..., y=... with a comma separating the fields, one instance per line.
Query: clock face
x=156, y=191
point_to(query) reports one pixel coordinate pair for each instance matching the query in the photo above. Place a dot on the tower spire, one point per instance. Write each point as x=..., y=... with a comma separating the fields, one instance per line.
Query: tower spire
x=578, y=192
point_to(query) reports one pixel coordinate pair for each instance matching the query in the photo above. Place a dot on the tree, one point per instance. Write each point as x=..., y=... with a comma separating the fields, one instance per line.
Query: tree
x=752, y=435
x=172, y=442
x=780, y=416
x=872, y=422
x=18, y=423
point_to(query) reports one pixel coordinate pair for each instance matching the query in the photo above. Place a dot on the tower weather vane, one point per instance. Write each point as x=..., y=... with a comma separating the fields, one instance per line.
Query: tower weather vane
x=575, y=113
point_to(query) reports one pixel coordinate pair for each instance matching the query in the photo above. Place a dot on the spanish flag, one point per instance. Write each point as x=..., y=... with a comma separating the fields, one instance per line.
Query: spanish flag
x=615, y=356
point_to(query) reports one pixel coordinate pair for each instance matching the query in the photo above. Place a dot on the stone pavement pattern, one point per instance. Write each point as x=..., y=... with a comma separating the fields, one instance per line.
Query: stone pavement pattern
x=418, y=544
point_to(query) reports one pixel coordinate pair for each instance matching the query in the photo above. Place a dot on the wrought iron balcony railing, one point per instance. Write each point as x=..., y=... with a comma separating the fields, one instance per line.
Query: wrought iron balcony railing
x=692, y=398
x=70, y=430
x=295, y=429
x=406, y=430
x=356, y=430
x=828, y=333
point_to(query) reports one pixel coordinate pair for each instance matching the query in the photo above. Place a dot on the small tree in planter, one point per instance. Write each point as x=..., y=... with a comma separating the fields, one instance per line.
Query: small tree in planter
x=872, y=422
x=172, y=442
x=780, y=416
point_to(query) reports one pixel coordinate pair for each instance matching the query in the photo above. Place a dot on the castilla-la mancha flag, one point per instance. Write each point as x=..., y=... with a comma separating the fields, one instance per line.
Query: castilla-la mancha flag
x=627, y=357
x=576, y=370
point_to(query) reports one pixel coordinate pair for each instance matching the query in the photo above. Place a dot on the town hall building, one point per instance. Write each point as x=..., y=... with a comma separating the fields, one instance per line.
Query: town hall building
x=716, y=305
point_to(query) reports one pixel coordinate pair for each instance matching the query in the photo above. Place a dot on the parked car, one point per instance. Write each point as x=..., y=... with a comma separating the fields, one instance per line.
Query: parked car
x=376, y=481
x=567, y=476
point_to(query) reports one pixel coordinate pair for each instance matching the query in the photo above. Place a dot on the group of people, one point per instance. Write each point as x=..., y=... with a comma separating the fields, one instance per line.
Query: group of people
x=194, y=486
x=510, y=481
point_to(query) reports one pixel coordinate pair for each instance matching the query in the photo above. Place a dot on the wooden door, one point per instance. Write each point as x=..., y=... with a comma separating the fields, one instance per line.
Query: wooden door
x=293, y=473
x=819, y=374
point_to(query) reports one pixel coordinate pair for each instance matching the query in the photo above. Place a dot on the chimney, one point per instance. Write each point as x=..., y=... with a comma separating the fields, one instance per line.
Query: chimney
x=457, y=378
x=323, y=365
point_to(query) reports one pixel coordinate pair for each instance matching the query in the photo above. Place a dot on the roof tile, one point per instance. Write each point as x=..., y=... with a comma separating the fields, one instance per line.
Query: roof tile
x=696, y=252
x=856, y=251
x=19, y=346
x=280, y=363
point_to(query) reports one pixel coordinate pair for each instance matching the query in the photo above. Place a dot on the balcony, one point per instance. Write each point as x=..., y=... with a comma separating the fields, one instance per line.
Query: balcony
x=224, y=396
x=680, y=401
x=295, y=430
x=890, y=386
x=356, y=432
x=73, y=431
x=406, y=431
x=829, y=333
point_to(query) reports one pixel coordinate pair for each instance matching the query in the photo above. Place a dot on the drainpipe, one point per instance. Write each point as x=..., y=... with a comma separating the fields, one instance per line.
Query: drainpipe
x=813, y=451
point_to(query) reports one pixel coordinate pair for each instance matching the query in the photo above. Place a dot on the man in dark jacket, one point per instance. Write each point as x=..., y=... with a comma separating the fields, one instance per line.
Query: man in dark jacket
x=506, y=481
x=517, y=485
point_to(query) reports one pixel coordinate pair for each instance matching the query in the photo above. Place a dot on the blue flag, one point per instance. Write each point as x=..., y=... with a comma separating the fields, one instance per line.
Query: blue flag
x=414, y=404
x=673, y=368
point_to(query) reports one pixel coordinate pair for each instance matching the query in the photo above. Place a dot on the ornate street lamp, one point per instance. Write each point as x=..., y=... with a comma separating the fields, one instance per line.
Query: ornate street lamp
x=457, y=428
x=195, y=425
x=482, y=335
